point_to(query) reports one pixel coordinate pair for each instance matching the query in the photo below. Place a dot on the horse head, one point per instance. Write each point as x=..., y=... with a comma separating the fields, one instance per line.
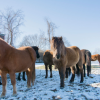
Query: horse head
x=94, y=57
x=36, y=50
x=57, y=46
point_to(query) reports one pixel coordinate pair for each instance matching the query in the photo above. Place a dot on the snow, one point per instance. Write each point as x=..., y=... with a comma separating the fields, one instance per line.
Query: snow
x=49, y=89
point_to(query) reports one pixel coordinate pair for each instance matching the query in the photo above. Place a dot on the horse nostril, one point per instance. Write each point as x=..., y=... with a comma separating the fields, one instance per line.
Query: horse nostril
x=57, y=56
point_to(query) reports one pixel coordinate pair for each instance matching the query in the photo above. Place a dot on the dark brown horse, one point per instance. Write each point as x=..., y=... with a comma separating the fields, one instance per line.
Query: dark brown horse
x=65, y=57
x=37, y=55
x=16, y=60
x=48, y=60
x=86, y=60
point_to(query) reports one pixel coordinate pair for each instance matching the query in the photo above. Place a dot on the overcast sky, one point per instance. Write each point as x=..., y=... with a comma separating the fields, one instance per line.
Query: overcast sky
x=77, y=20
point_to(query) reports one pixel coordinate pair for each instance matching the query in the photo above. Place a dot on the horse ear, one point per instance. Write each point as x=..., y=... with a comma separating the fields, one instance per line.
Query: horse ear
x=53, y=38
x=61, y=38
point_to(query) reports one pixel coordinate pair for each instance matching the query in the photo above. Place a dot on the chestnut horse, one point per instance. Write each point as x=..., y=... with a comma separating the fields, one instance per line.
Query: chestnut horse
x=65, y=57
x=86, y=59
x=95, y=57
x=48, y=60
x=16, y=60
x=37, y=55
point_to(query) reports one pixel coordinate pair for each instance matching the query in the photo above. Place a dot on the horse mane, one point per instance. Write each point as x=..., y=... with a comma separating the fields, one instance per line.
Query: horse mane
x=58, y=40
x=35, y=48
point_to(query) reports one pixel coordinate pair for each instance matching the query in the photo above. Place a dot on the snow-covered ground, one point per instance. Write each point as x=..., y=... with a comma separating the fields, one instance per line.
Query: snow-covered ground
x=49, y=89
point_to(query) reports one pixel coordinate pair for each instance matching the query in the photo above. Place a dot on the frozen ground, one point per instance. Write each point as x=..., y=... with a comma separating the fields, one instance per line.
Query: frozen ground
x=49, y=89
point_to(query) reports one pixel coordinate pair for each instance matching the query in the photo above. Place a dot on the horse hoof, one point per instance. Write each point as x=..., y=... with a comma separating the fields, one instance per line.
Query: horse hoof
x=45, y=76
x=71, y=81
x=50, y=76
x=61, y=87
x=19, y=79
x=14, y=95
x=2, y=95
x=81, y=81
x=24, y=79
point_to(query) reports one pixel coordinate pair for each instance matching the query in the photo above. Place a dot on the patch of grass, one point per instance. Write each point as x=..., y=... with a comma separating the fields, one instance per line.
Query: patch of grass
x=43, y=67
x=95, y=66
x=53, y=68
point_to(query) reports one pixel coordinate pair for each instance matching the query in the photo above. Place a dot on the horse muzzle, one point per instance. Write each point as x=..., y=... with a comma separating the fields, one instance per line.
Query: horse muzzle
x=57, y=56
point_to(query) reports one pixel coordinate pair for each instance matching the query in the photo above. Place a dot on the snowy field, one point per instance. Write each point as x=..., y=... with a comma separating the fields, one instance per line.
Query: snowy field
x=49, y=89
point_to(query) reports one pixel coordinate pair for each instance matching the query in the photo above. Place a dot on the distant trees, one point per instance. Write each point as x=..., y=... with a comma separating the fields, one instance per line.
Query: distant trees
x=34, y=40
x=97, y=51
x=50, y=30
x=11, y=21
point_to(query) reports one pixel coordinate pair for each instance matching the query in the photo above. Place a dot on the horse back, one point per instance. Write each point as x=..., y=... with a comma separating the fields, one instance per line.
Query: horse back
x=30, y=51
x=73, y=55
x=48, y=57
x=86, y=56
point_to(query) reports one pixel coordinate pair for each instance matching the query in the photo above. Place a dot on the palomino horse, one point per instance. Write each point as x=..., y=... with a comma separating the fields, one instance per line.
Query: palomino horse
x=16, y=60
x=95, y=57
x=48, y=60
x=65, y=57
x=86, y=60
x=37, y=55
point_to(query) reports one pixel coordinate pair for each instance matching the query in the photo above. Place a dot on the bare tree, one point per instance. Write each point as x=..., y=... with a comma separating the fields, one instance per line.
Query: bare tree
x=11, y=22
x=51, y=29
x=67, y=44
x=34, y=40
x=97, y=51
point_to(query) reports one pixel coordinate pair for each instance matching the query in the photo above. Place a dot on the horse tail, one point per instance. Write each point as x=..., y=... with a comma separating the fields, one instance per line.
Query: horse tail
x=32, y=53
x=77, y=70
x=88, y=61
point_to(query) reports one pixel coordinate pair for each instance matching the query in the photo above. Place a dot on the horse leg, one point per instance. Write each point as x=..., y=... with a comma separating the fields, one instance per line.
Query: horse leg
x=13, y=81
x=33, y=74
x=88, y=69
x=69, y=71
x=73, y=73
x=46, y=69
x=24, y=76
x=50, y=67
x=84, y=69
x=4, y=78
x=19, y=76
x=81, y=71
x=66, y=72
x=62, y=76
x=29, y=77
x=0, y=83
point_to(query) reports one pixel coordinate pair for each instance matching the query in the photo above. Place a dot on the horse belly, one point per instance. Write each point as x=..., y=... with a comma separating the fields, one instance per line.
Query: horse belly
x=73, y=61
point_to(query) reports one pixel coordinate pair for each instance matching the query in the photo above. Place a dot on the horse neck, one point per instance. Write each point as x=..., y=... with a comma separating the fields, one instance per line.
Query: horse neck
x=93, y=57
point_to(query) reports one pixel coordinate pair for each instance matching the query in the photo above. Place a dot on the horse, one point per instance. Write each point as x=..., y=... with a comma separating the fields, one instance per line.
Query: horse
x=48, y=60
x=86, y=60
x=14, y=60
x=66, y=57
x=95, y=57
x=37, y=55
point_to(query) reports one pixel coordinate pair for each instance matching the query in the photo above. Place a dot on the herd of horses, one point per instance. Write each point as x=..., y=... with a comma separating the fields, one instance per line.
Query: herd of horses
x=66, y=59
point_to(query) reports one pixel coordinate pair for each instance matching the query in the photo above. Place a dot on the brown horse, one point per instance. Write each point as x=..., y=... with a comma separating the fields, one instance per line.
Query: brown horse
x=48, y=60
x=86, y=60
x=66, y=57
x=95, y=57
x=37, y=55
x=16, y=60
